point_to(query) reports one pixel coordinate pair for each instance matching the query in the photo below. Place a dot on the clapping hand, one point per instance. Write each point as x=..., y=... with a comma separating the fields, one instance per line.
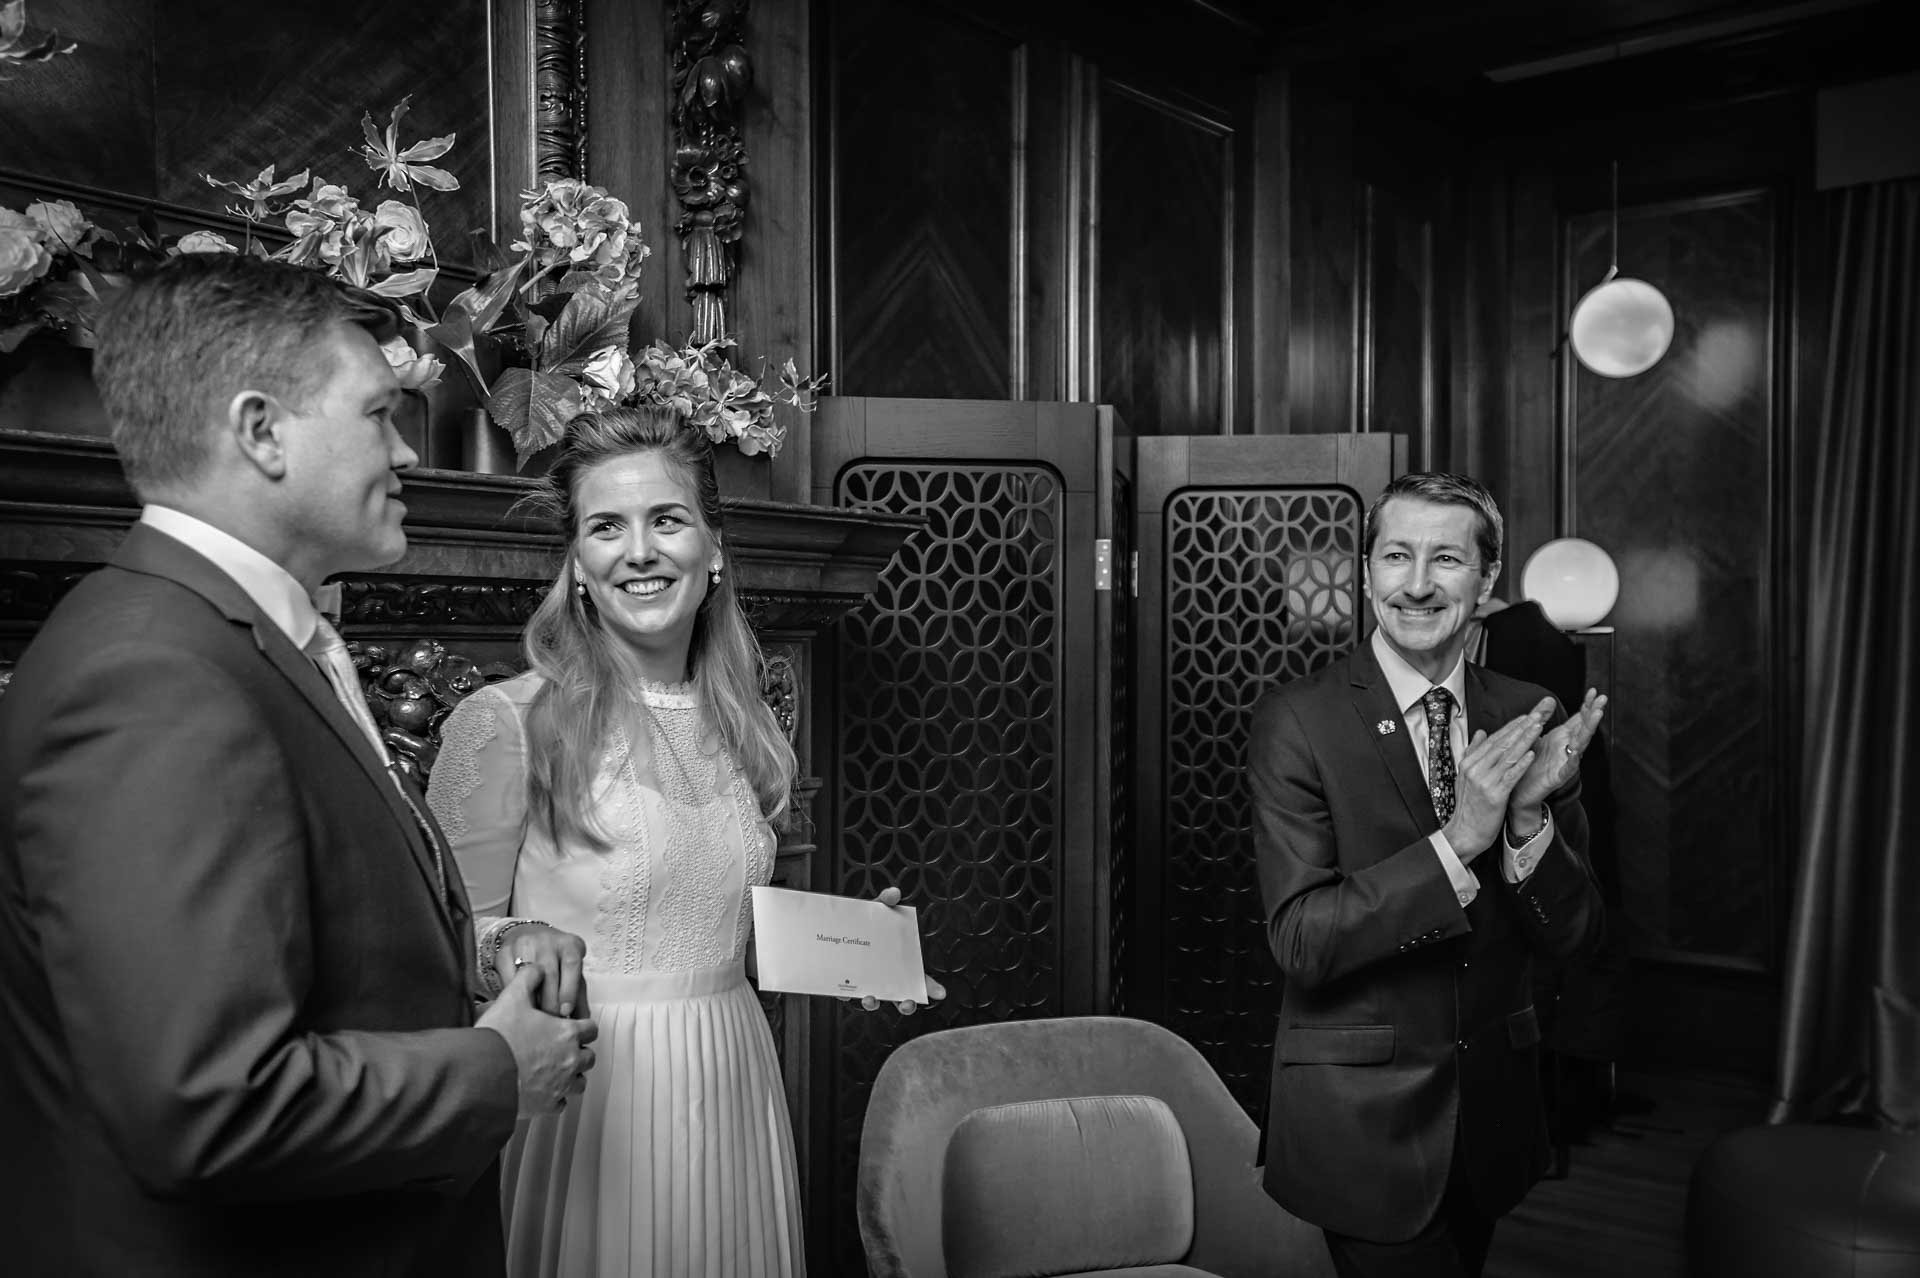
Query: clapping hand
x=1484, y=780
x=1557, y=759
x=890, y=897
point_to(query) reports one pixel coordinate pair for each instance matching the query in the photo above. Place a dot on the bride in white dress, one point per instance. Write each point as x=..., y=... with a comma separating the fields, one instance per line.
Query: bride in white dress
x=621, y=790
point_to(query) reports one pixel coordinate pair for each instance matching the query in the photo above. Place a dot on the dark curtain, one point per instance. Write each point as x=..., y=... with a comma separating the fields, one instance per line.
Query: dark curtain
x=1850, y=1035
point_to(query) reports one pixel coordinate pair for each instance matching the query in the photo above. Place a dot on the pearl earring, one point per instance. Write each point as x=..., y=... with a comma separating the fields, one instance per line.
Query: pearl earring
x=714, y=576
x=580, y=588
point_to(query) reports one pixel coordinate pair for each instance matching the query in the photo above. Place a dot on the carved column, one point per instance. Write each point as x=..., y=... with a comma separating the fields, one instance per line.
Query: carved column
x=711, y=77
x=560, y=90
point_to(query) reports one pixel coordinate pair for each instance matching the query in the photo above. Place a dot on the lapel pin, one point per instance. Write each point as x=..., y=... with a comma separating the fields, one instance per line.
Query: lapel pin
x=1385, y=727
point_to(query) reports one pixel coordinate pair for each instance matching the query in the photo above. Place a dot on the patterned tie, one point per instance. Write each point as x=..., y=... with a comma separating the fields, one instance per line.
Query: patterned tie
x=328, y=651
x=1439, y=703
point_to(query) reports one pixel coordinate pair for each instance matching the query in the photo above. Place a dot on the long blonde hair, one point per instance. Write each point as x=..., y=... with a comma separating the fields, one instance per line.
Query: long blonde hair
x=592, y=679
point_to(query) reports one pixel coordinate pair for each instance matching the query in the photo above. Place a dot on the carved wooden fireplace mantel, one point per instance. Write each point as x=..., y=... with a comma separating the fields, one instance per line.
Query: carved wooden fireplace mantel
x=64, y=505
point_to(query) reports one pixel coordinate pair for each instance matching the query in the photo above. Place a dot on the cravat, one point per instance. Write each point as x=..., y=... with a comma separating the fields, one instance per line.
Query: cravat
x=329, y=652
x=1439, y=703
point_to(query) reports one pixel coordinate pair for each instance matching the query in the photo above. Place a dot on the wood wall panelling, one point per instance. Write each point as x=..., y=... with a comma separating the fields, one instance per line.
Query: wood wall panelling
x=1673, y=475
x=1163, y=300
x=1270, y=204
x=629, y=151
x=1401, y=342
x=924, y=151
x=149, y=102
x=771, y=305
x=1323, y=337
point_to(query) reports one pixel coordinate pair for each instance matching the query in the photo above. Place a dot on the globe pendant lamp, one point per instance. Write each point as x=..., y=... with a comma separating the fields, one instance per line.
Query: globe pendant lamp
x=1573, y=581
x=1623, y=325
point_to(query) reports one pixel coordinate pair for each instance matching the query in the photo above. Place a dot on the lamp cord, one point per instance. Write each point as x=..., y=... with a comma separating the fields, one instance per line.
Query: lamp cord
x=1613, y=252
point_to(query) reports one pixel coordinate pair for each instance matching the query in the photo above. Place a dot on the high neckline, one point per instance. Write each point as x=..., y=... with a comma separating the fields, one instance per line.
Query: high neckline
x=656, y=691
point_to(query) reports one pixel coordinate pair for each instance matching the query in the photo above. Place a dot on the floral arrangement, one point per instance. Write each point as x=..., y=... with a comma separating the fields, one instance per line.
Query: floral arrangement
x=558, y=308
x=554, y=314
x=56, y=266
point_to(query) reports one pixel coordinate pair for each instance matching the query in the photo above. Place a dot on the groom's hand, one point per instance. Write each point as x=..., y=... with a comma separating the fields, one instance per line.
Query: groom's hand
x=550, y=1054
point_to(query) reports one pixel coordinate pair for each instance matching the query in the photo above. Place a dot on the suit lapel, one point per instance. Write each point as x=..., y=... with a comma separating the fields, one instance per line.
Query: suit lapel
x=1483, y=714
x=156, y=554
x=1382, y=720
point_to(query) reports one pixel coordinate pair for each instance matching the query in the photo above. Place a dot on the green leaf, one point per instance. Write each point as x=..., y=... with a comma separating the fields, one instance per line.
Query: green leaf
x=534, y=408
x=485, y=303
x=455, y=332
x=405, y=283
x=593, y=319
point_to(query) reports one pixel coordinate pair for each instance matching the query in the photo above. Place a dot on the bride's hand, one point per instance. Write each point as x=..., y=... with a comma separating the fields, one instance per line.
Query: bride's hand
x=558, y=955
x=890, y=897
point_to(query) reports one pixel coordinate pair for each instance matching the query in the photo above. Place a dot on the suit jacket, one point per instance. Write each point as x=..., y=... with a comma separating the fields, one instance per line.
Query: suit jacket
x=1405, y=1020
x=235, y=1029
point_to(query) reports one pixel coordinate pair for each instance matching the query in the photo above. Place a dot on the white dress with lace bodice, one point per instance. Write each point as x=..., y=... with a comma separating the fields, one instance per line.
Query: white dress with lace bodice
x=678, y=1158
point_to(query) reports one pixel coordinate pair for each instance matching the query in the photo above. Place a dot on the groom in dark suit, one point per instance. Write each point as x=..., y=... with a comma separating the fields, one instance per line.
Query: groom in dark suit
x=1419, y=836
x=237, y=1032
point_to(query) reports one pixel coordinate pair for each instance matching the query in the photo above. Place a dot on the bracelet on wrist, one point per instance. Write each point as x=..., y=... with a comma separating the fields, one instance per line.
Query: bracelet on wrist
x=488, y=941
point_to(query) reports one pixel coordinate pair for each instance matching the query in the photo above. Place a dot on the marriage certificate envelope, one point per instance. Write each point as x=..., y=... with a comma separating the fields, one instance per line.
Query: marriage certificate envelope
x=812, y=943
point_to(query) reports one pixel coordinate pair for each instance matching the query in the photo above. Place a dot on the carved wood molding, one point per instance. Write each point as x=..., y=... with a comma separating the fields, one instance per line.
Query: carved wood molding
x=439, y=602
x=560, y=90
x=781, y=551
x=28, y=591
x=711, y=77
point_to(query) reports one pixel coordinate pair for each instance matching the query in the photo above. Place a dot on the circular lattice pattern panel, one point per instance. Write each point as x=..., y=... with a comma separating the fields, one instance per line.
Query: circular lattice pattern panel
x=948, y=735
x=1262, y=587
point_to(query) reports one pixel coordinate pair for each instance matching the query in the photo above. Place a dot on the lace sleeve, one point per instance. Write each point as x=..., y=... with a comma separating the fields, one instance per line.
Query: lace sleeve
x=478, y=793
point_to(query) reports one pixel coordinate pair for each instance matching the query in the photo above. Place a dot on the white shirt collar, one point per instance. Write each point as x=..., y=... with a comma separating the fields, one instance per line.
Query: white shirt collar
x=271, y=587
x=1408, y=684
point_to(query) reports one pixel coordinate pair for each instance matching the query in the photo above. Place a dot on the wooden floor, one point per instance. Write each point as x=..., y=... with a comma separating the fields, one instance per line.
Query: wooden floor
x=1619, y=1212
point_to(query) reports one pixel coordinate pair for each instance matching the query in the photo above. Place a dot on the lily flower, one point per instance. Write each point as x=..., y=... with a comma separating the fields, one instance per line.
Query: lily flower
x=17, y=46
x=398, y=168
x=263, y=190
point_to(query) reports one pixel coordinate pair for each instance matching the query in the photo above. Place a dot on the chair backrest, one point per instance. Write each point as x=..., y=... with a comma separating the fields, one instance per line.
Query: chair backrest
x=933, y=1085
x=1066, y=1186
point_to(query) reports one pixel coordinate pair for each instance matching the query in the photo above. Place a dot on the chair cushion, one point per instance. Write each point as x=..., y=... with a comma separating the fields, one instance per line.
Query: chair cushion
x=1050, y=1187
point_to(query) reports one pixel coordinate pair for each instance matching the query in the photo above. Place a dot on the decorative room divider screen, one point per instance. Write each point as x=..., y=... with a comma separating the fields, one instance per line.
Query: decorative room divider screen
x=1037, y=733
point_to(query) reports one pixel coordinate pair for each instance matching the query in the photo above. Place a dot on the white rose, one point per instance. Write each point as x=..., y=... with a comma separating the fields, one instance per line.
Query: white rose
x=23, y=258
x=404, y=231
x=415, y=371
x=12, y=221
x=64, y=225
x=610, y=372
x=205, y=242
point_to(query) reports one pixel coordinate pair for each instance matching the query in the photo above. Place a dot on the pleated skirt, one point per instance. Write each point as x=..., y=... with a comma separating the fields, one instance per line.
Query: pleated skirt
x=677, y=1161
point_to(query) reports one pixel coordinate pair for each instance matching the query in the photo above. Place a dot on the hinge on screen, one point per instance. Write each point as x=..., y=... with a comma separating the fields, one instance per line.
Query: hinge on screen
x=1103, y=563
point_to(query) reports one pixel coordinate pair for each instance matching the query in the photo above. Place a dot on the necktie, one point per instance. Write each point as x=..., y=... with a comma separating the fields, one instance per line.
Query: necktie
x=1439, y=703
x=329, y=652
